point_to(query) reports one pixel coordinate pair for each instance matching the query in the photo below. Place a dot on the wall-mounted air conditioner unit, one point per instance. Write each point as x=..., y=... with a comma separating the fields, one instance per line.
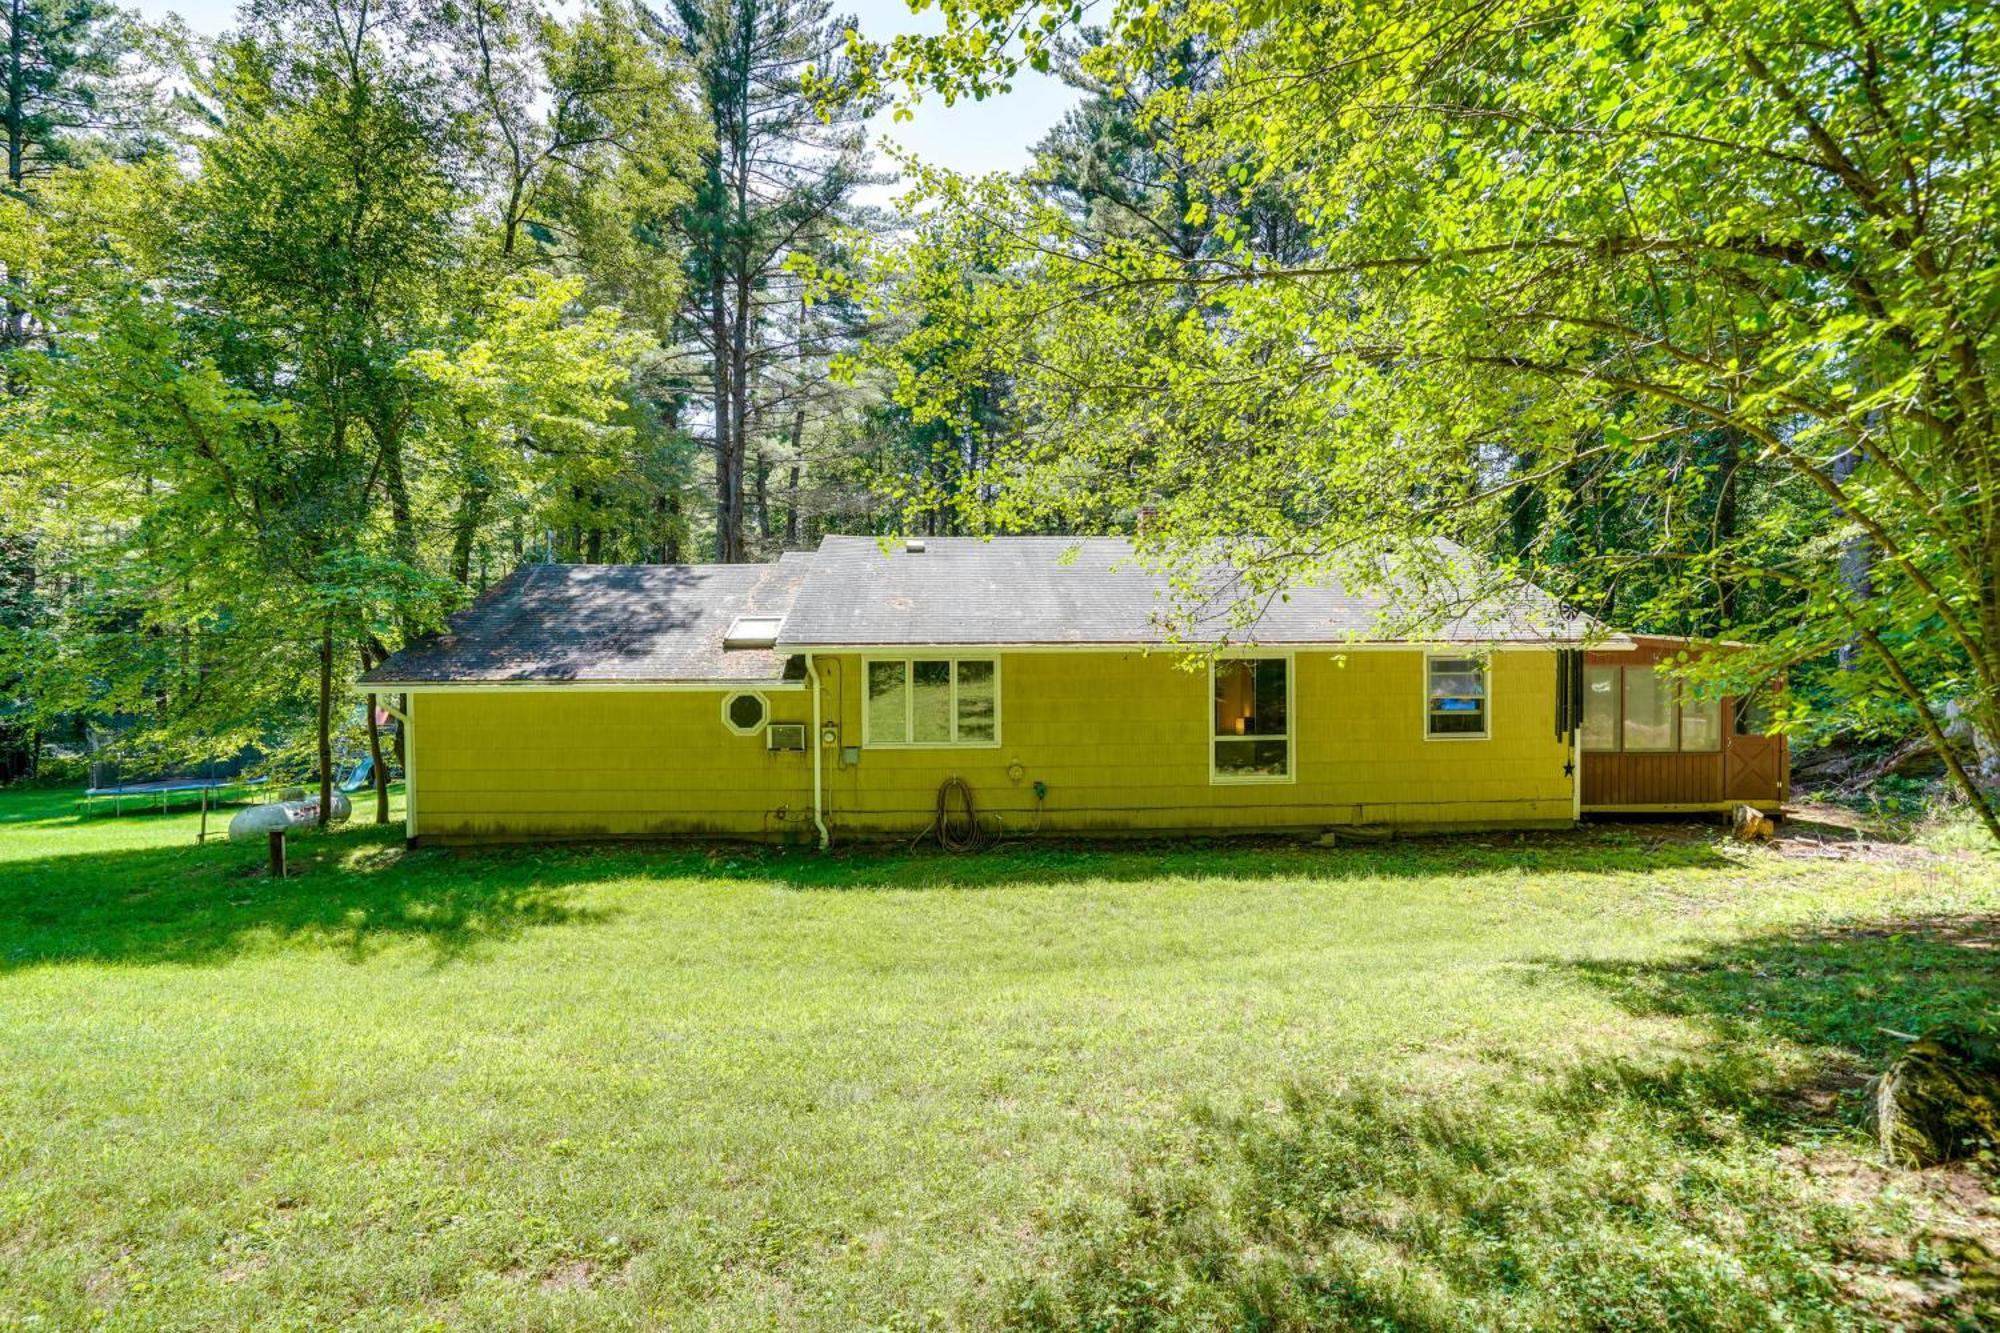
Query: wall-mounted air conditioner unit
x=785, y=736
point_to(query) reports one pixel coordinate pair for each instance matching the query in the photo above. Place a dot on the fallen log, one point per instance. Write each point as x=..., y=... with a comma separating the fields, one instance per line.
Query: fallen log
x=1940, y=1100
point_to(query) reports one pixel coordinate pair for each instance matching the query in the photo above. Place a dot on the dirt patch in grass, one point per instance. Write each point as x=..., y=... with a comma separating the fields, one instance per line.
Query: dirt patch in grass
x=1945, y=1261
x=569, y=1275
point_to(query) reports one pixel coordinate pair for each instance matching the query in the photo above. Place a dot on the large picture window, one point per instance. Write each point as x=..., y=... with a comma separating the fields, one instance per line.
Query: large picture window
x=1250, y=719
x=1454, y=697
x=931, y=701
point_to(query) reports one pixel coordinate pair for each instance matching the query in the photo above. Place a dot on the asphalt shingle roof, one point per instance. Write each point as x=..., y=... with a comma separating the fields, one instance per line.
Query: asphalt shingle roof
x=665, y=623
x=610, y=623
x=1090, y=590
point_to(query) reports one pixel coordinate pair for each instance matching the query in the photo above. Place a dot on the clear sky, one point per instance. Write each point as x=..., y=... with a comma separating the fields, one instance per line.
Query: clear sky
x=994, y=135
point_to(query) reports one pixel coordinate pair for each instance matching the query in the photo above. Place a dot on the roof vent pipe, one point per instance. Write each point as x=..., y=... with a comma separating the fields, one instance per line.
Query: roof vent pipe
x=914, y=545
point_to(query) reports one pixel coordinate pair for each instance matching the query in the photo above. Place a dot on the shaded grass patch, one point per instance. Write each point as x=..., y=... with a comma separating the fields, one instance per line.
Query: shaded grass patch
x=1623, y=1191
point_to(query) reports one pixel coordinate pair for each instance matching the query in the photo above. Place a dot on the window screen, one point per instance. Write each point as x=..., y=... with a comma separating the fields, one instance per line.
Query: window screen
x=930, y=703
x=746, y=712
x=1649, y=710
x=1600, y=708
x=1455, y=696
x=1753, y=714
x=1701, y=723
x=978, y=702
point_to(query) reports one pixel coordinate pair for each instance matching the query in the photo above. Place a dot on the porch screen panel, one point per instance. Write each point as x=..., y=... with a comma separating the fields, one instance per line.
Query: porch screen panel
x=1649, y=711
x=1600, y=708
x=1701, y=724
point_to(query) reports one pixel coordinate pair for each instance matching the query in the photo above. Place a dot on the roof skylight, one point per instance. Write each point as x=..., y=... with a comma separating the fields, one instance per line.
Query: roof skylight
x=753, y=632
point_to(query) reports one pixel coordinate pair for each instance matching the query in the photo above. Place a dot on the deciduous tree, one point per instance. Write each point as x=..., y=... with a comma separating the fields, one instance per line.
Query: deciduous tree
x=1654, y=250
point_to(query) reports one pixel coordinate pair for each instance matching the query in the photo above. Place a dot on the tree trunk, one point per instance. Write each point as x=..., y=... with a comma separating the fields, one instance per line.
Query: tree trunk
x=402, y=516
x=668, y=509
x=325, y=725
x=763, y=494
x=14, y=331
x=739, y=392
x=1727, y=588
x=728, y=483
x=792, y=480
x=378, y=775
x=465, y=531
x=1857, y=555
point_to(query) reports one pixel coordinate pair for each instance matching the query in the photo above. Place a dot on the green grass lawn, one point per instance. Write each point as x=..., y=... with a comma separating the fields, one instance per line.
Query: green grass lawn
x=1607, y=1079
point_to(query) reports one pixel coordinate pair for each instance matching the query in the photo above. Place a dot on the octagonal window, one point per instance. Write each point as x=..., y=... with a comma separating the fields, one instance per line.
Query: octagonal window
x=746, y=713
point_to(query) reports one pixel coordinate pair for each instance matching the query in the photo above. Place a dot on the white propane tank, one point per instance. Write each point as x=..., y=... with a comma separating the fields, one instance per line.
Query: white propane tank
x=259, y=820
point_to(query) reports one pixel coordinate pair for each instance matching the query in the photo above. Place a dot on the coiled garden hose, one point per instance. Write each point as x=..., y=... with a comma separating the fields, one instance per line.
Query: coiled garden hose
x=957, y=830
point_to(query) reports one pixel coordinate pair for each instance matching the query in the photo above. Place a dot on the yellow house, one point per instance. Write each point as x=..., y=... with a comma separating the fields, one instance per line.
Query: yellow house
x=833, y=694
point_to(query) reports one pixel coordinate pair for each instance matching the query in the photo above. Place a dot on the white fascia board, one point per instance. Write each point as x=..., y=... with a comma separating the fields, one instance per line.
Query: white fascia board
x=1617, y=644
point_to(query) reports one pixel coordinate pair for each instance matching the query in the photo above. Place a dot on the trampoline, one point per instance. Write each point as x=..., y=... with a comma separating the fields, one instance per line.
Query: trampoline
x=163, y=790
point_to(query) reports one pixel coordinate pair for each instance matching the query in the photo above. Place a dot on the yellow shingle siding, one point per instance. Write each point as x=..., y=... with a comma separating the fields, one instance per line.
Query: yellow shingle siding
x=1119, y=738
x=603, y=763
x=1121, y=741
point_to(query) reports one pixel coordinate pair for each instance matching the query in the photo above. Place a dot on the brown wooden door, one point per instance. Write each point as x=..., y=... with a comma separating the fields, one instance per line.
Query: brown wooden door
x=1753, y=767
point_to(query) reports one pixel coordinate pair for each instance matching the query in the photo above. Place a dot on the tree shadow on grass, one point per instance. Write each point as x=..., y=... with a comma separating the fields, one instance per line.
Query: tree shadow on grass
x=1711, y=1190
x=353, y=889
x=1130, y=860
x=358, y=888
x=1852, y=992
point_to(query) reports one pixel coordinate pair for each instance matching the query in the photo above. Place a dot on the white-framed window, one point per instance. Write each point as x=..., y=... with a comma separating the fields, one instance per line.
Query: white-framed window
x=745, y=712
x=1455, y=702
x=925, y=701
x=1250, y=718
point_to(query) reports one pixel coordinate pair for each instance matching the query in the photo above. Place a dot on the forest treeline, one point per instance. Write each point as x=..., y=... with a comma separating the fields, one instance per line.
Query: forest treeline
x=316, y=328
x=1684, y=309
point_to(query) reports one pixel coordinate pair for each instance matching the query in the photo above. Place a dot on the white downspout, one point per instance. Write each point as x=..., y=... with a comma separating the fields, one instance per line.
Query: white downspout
x=409, y=769
x=819, y=817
